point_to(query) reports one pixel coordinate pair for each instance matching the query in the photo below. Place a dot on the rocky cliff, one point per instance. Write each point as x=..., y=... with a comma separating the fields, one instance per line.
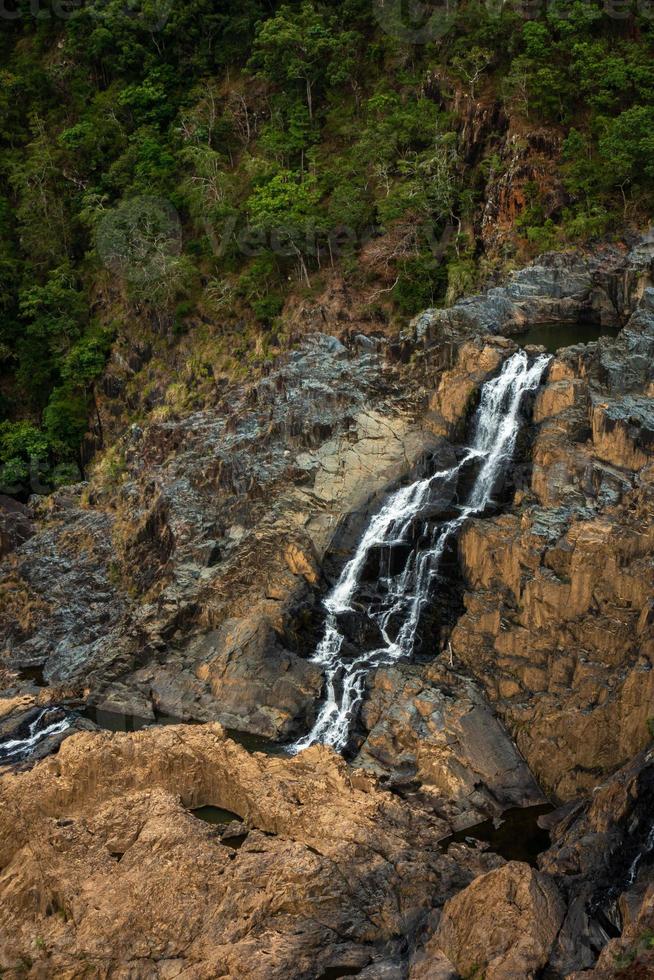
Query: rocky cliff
x=185, y=579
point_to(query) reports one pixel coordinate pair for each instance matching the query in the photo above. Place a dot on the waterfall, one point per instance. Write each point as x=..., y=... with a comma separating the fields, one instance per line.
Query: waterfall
x=644, y=852
x=405, y=594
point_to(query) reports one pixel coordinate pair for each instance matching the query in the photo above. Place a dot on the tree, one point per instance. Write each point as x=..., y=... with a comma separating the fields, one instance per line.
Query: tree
x=627, y=146
x=22, y=445
x=301, y=45
x=66, y=419
x=141, y=241
x=54, y=316
x=37, y=180
x=286, y=211
x=472, y=65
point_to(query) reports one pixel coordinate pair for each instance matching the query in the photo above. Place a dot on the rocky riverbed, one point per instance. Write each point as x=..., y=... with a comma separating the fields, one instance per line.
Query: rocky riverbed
x=186, y=579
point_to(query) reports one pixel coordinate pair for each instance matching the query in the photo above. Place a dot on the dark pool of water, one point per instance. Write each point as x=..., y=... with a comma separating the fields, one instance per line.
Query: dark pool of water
x=336, y=972
x=218, y=817
x=517, y=838
x=114, y=721
x=554, y=336
x=215, y=815
x=257, y=743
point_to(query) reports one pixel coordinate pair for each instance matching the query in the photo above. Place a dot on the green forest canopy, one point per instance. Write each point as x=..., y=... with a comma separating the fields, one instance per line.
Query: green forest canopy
x=182, y=146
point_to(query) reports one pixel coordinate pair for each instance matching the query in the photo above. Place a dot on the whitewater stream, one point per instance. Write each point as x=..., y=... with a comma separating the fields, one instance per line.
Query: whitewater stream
x=409, y=546
x=405, y=593
x=49, y=721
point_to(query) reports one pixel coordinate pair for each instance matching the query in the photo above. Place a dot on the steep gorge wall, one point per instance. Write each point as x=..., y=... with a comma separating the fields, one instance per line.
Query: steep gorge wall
x=189, y=573
x=559, y=621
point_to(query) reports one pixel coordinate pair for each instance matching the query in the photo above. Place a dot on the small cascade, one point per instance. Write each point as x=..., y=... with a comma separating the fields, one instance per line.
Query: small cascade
x=402, y=523
x=49, y=721
x=644, y=852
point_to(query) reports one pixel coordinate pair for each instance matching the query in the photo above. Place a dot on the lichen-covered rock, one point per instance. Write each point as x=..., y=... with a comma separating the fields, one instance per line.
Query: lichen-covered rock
x=222, y=515
x=555, y=288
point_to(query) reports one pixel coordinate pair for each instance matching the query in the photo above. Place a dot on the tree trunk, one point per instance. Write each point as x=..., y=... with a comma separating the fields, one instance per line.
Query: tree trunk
x=309, y=100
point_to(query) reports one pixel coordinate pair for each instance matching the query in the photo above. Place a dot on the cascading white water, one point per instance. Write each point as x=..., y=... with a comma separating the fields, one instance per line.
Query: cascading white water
x=496, y=429
x=646, y=850
x=14, y=750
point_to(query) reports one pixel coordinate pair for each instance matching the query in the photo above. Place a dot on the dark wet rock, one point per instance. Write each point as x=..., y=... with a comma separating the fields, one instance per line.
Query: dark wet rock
x=15, y=524
x=258, y=686
x=602, y=858
x=437, y=728
x=29, y=733
x=360, y=630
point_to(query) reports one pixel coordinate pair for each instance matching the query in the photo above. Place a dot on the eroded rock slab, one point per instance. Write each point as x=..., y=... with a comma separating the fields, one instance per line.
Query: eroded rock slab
x=103, y=862
x=435, y=729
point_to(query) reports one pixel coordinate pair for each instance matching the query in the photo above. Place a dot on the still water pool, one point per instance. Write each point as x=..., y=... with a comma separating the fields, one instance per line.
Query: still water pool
x=554, y=336
x=516, y=836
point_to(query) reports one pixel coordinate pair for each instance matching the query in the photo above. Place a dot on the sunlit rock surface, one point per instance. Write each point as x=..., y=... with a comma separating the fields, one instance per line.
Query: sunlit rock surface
x=186, y=579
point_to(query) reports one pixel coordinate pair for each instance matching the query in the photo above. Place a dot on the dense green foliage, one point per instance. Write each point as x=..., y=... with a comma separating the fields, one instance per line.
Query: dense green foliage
x=159, y=157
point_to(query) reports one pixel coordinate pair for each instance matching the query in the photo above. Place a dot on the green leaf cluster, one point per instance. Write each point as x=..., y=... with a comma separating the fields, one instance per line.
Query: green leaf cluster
x=284, y=137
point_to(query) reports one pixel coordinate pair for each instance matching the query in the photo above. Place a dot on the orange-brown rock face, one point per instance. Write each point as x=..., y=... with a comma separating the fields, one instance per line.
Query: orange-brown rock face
x=622, y=433
x=476, y=361
x=559, y=623
x=503, y=926
x=106, y=873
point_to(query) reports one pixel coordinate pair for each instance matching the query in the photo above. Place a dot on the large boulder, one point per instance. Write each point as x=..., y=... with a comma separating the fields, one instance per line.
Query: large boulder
x=556, y=287
x=258, y=685
x=623, y=431
x=503, y=925
x=434, y=727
